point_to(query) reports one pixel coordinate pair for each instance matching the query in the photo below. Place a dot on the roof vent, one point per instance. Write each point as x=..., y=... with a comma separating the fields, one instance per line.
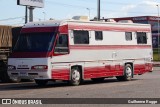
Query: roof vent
x=111, y=20
x=82, y=18
x=125, y=21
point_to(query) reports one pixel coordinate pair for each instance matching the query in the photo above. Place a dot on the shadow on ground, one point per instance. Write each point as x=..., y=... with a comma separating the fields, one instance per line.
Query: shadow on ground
x=32, y=85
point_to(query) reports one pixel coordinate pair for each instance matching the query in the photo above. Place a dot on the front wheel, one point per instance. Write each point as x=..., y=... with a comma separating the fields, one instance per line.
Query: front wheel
x=128, y=72
x=41, y=82
x=75, y=76
x=16, y=80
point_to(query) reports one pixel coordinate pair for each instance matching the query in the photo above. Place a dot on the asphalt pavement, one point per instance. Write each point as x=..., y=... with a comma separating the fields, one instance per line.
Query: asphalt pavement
x=142, y=86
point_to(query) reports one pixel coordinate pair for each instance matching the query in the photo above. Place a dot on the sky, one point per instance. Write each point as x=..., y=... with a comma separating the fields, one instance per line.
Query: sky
x=13, y=14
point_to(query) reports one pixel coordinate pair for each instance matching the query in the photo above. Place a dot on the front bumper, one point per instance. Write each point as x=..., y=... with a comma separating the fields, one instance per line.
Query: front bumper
x=28, y=74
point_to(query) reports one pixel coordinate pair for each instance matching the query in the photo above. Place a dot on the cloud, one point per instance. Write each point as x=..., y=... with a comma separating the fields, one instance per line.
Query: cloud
x=145, y=7
x=128, y=7
x=150, y=3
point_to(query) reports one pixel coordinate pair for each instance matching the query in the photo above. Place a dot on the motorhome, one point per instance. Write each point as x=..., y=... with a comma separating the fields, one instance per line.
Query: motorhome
x=74, y=50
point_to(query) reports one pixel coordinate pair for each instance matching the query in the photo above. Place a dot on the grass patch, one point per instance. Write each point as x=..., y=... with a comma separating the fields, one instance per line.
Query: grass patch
x=155, y=57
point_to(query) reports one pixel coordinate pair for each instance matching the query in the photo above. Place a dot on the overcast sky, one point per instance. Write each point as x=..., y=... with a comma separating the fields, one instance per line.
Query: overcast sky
x=13, y=14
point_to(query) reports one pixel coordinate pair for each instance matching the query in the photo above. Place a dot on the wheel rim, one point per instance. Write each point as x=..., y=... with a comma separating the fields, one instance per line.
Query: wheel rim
x=75, y=75
x=128, y=72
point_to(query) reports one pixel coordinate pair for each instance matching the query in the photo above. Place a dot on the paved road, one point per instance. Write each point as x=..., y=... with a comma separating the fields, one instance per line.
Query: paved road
x=143, y=86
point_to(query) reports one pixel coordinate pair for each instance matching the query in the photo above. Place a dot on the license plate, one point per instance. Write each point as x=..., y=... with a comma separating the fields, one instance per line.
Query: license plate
x=23, y=74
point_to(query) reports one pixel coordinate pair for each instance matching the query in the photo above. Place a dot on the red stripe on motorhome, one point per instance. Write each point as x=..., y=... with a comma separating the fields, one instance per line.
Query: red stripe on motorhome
x=39, y=29
x=100, y=47
x=109, y=28
x=103, y=71
x=60, y=74
x=30, y=54
x=61, y=29
x=140, y=69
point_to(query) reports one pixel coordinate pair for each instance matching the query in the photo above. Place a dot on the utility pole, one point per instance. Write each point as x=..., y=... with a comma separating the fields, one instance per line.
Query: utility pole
x=44, y=15
x=89, y=13
x=31, y=8
x=98, y=10
x=158, y=33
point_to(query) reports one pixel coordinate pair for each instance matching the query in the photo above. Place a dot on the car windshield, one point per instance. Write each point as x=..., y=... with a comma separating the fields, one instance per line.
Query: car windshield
x=35, y=42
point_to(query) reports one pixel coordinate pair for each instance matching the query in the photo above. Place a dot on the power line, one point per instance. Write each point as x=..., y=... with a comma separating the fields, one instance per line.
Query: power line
x=118, y=3
x=67, y=5
x=11, y=18
x=108, y=2
x=78, y=6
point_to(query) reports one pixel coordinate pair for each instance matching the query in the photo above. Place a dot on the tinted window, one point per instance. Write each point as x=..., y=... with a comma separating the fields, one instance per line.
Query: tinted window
x=141, y=38
x=62, y=41
x=35, y=42
x=81, y=37
x=98, y=35
x=62, y=44
x=128, y=36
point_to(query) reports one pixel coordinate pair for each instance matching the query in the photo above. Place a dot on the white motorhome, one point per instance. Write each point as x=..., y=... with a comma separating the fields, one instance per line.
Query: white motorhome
x=73, y=51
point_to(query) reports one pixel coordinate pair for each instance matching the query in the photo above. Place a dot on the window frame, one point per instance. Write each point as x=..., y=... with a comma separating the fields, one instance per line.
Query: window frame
x=81, y=42
x=140, y=38
x=97, y=36
x=127, y=36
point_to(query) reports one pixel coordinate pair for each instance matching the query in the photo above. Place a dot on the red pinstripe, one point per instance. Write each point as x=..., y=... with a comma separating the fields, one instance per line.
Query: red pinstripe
x=110, y=28
x=99, y=47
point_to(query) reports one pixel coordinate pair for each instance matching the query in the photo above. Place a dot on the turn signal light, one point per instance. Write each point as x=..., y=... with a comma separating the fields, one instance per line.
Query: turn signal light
x=39, y=67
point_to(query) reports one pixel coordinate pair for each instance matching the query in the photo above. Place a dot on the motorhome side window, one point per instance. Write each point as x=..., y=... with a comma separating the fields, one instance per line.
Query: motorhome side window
x=62, y=44
x=128, y=36
x=98, y=35
x=141, y=38
x=81, y=37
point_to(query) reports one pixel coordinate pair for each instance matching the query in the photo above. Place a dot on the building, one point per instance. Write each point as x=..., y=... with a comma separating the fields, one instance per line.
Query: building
x=153, y=20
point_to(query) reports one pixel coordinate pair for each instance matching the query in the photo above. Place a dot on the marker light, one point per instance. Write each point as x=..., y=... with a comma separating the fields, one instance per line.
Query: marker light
x=39, y=67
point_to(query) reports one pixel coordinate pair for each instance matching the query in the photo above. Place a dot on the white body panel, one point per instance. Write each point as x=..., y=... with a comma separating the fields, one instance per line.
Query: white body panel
x=24, y=70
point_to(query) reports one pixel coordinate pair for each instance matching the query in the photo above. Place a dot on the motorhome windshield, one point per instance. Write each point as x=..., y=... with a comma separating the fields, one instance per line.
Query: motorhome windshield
x=35, y=42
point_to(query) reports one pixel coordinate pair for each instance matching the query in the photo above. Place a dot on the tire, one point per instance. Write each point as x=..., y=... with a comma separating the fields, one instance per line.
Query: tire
x=128, y=72
x=41, y=82
x=75, y=76
x=97, y=79
x=4, y=77
x=3, y=72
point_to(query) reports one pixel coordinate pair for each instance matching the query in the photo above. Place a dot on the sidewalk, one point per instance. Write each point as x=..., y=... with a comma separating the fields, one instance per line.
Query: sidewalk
x=156, y=64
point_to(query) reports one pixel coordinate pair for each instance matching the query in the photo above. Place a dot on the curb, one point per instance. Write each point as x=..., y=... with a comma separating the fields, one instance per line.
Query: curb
x=156, y=64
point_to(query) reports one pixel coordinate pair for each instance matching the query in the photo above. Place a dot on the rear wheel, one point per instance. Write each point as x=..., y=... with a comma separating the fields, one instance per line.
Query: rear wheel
x=75, y=76
x=128, y=72
x=41, y=82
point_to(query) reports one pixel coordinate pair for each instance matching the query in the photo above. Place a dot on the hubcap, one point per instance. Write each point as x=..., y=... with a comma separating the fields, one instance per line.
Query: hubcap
x=128, y=72
x=75, y=75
